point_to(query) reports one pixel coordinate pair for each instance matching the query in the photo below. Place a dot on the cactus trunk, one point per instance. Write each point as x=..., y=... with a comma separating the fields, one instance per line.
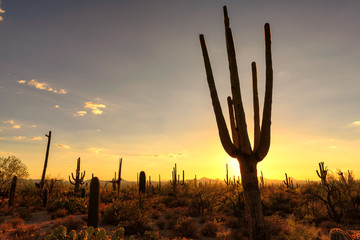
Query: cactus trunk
x=94, y=200
x=142, y=182
x=12, y=191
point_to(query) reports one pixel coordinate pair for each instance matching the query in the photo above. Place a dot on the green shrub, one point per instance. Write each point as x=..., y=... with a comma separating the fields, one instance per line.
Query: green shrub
x=72, y=205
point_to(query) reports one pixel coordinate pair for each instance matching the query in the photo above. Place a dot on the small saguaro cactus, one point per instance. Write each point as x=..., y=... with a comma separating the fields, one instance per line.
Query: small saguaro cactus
x=118, y=182
x=183, y=181
x=94, y=201
x=239, y=145
x=262, y=183
x=288, y=182
x=195, y=180
x=227, y=180
x=42, y=181
x=322, y=173
x=174, y=181
x=78, y=179
x=159, y=182
x=142, y=182
x=12, y=191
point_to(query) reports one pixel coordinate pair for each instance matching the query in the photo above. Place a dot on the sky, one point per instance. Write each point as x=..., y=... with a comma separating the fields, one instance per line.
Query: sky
x=126, y=79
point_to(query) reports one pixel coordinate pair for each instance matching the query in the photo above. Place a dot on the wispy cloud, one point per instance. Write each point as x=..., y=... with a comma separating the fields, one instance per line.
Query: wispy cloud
x=12, y=123
x=95, y=107
x=2, y=138
x=62, y=146
x=35, y=138
x=96, y=150
x=34, y=126
x=57, y=106
x=20, y=137
x=170, y=155
x=42, y=86
x=356, y=123
x=80, y=113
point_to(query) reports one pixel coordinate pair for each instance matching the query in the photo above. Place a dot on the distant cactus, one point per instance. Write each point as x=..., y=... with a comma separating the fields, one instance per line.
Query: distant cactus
x=174, y=181
x=262, y=183
x=78, y=179
x=142, y=182
x=12, y=191
x=42, y=181
x=288, y=182
x=159, y=182
x=94, y=201
x=322, y=173
x=183, y=182
x=118, y=182
x=195, y=180
x=227, y=180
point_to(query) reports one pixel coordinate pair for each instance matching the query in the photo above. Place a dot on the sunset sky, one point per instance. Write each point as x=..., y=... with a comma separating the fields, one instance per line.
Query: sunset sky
x=115, y=79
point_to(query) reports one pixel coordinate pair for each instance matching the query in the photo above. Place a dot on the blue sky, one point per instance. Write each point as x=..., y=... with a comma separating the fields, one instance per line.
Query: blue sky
x=126, y=79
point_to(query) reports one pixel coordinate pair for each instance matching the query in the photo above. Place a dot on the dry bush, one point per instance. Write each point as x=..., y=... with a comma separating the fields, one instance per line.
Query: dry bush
x=16, y=229
x=70, y=222
x=186, y=227
x=60, y=213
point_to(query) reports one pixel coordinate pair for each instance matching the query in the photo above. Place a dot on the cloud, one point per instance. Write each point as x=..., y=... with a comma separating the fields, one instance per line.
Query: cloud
x=2, y=138
x=95, y=107
x=62, y=146
x=20, y=137
x=9, y=121
x=80, y=113
x=96, y=150
x=35, y=138
x=170, y=155
x=34, y=126
x=356, y=123
x=12, y=122
x=42, y=86
x=57, y=106
x=1, y=18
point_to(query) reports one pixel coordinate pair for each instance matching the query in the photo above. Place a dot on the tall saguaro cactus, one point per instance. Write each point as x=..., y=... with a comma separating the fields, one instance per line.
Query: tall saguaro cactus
x=322, y=173
x=239, y=146
x=94, y=201
x=142, y=182
x=119, y=178
x=78, y=179
x=42, y=181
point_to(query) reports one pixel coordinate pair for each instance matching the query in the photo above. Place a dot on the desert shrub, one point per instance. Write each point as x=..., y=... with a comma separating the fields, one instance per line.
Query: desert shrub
x=210, y=229
x=70, y=222
x=72, y=205
x=289, y=229
x=60, y=213
x=161, y=224
x=186, y=227
x=128, y=215
x=276, y=199
x=16, y=229
x=24, y=213
x=61, y=233
x=152, y=235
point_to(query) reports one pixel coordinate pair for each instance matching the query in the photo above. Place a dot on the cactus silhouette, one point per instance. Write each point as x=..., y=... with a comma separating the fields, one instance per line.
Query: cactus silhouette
x=142, y=182
x=227, y=180
x=288, y=182
x=78, y=179
x=94, y=200
x=118, y=182
x=262, y=183
x=42, y=181
x=12, y=191
x=239, y=146
x=322, y=173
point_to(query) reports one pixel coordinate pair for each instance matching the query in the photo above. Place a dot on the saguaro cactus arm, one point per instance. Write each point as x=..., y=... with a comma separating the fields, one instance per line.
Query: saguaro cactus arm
x=245, y=146
x=264, y=144
x=220, y=120
x=256, y=107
